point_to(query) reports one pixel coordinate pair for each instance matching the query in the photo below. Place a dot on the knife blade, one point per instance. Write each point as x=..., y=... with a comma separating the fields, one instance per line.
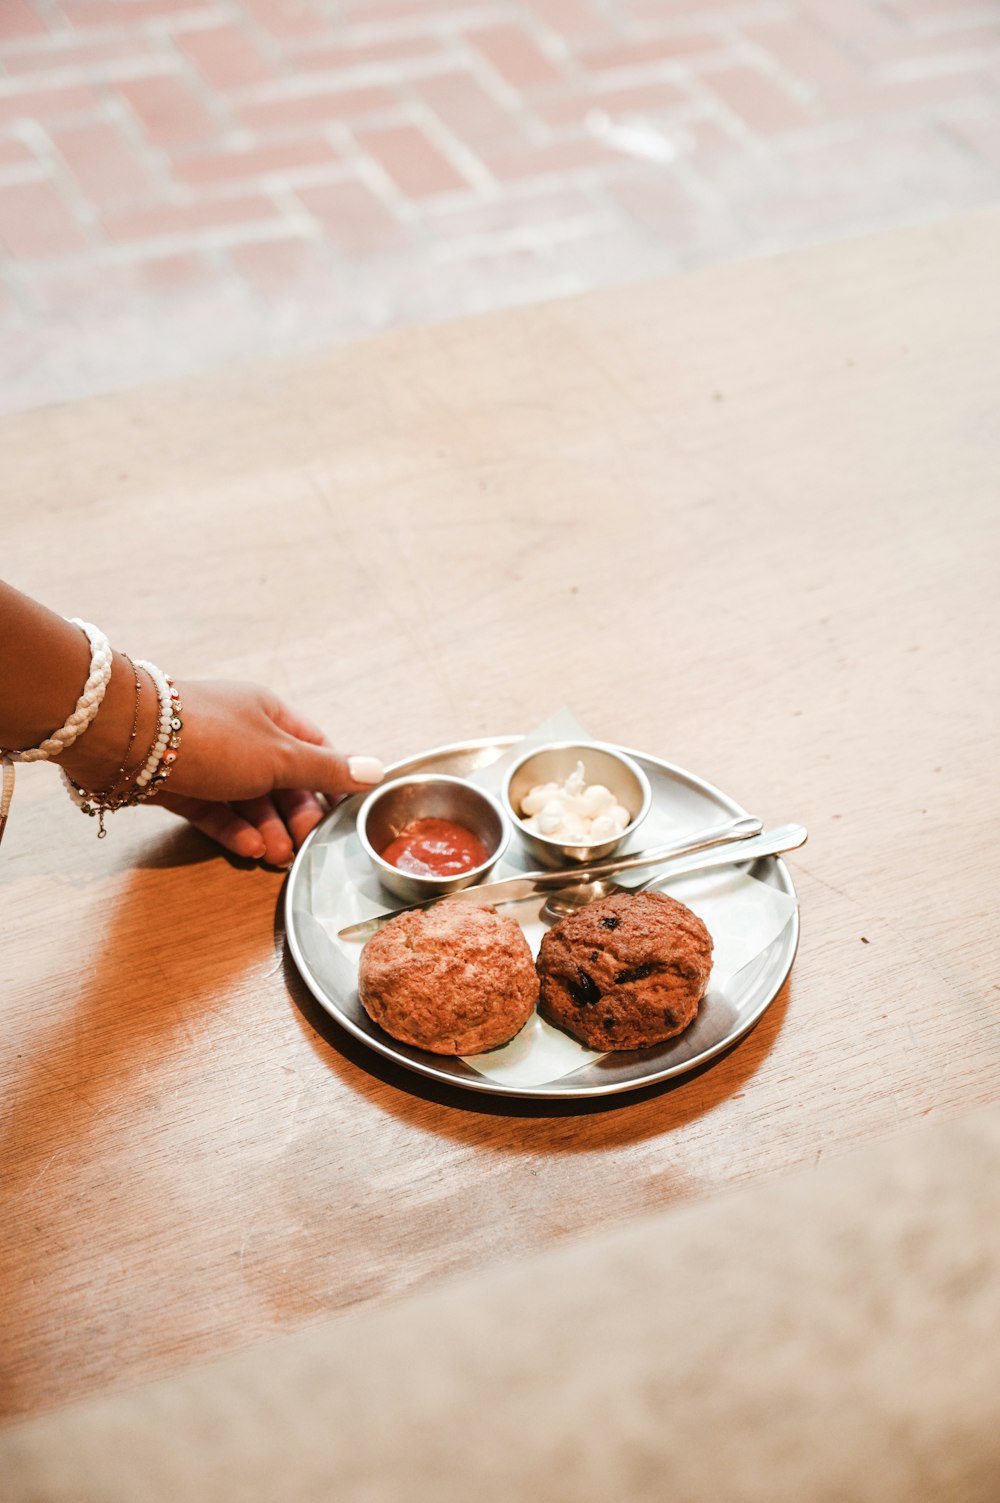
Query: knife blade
x=717, y=839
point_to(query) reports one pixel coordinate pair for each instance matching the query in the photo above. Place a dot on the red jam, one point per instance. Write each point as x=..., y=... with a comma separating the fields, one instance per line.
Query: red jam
x=435, y=848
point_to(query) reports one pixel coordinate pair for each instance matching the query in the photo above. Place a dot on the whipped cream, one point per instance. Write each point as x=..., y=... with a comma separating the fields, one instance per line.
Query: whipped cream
x=574, y=811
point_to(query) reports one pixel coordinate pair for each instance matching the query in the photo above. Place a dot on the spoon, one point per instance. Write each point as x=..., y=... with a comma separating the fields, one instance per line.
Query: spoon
x=770, y=843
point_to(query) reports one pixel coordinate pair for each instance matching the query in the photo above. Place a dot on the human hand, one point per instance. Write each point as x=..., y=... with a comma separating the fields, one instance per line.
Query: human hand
x=249, y=768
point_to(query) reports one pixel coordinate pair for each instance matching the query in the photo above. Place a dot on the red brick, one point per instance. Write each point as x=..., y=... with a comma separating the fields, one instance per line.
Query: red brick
x=169, y=220
x=804, y=51
x=18, y=20
x=575, y=19
x=279, y=159
x=412, y=161
x=377, y=56
x=469, y=112
x=286, y=18
x=863, y=30
x=272, y=264
x=225, y=57
x=35, y=223
x=117, y=13
x=165, y=273
x=47, y=106
x=83, y=283
x=515, y=56
x=676, y=11
x=318, y=108
x=102, y=161
x=98, y=285
x=168, y=110
x=371, y=12
x=351, y=216
x=85, y=58
x=16, y=154
x=650, y=51
x=760, y=103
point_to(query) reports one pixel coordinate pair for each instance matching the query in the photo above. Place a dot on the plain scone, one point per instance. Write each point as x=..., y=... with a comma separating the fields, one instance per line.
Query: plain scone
x=625, y=972
x=453, y=978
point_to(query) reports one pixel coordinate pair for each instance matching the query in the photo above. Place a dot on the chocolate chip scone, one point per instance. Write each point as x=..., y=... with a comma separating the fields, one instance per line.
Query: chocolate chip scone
x=453, y=978
x=626, y=971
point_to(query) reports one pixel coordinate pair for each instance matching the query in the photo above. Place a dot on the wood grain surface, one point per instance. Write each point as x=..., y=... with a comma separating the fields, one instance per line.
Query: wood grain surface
x=744, y=519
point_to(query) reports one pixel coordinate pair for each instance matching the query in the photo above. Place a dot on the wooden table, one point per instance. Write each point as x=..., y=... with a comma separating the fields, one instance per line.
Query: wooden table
x=746, y=520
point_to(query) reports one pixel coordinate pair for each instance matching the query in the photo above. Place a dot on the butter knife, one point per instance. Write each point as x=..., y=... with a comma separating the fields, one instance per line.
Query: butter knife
x=737, y=840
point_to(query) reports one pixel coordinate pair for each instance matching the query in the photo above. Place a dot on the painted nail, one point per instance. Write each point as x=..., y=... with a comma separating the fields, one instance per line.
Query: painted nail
x=365, y=769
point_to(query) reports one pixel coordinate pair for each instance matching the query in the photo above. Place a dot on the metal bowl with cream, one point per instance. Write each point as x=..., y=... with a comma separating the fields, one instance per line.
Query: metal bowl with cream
x=575, y=801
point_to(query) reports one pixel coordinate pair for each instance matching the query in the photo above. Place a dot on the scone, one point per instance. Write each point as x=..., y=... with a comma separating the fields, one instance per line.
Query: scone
x=453, y=978
x=626, y=971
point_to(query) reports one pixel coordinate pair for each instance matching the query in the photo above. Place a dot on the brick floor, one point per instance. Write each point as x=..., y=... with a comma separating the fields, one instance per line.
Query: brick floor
x=186, y=182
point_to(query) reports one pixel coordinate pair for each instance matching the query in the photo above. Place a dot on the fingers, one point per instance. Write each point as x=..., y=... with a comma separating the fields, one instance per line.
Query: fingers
x=301, y=811
x=257, y=829
x=262, y=814
x=220, y=822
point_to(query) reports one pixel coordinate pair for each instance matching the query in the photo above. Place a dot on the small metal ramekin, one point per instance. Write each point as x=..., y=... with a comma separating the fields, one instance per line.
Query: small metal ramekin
x=553, y=764
x=391, y=808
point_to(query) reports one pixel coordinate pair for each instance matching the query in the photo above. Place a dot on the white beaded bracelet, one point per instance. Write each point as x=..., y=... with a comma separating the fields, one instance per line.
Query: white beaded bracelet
x=163, y=752
x=87, y=705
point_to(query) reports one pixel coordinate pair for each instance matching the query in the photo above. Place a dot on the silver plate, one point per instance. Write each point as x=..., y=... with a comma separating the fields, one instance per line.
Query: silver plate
x=694, y=803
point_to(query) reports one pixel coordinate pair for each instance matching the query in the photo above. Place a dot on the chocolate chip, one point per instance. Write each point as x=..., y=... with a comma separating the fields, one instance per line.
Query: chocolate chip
x=635, y=973
x=584, y=990
x=608, y=1022
x=610, y=922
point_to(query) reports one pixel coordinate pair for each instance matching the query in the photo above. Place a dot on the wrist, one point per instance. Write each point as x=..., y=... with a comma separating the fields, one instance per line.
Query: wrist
x=95, y=760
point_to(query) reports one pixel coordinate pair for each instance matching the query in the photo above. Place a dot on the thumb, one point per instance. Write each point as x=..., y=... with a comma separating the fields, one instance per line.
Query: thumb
x=323, y=770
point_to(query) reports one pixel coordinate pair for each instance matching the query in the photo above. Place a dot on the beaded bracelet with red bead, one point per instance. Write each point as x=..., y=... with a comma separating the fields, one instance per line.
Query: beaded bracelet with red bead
x=163, y=753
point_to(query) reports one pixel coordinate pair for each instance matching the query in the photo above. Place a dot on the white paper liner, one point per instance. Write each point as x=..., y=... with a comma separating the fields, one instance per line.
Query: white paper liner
x=742, y=915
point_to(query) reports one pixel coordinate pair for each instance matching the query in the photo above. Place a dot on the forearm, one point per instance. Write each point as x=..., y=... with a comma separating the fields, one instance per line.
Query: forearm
x=44, y=662
x=247, y=772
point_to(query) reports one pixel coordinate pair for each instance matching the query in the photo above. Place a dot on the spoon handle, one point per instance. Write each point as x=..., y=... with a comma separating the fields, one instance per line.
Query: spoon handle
x=771, y=843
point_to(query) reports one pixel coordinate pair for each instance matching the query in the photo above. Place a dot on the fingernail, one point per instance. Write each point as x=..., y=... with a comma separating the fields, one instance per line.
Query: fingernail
x=365, y=769
x=255, y=849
